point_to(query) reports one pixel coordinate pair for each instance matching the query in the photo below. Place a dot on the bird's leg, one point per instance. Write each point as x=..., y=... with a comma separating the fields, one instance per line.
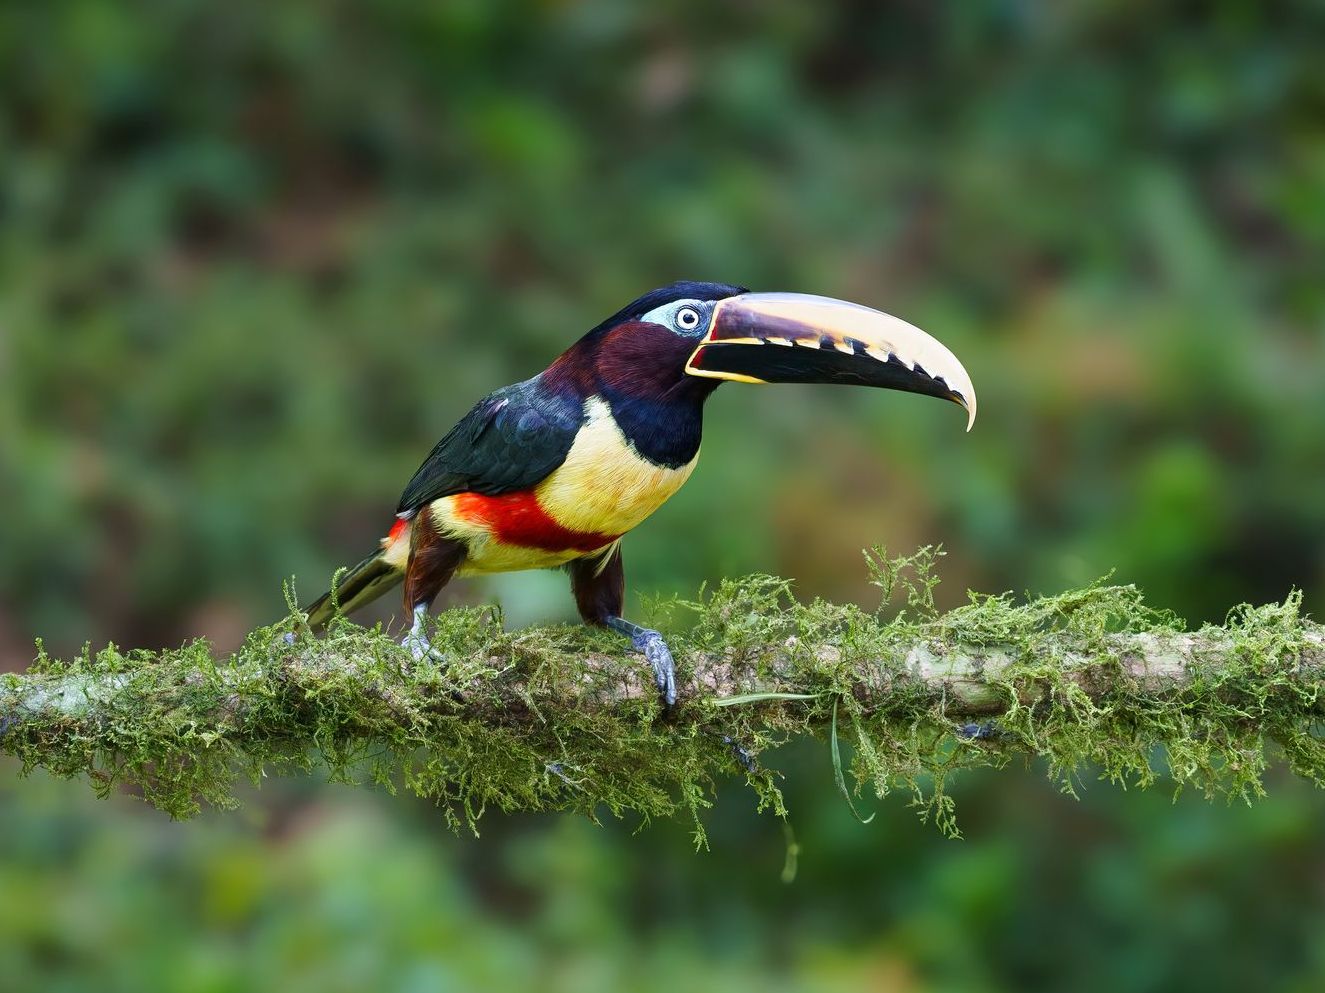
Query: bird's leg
x=433, y=560
x=599, y=585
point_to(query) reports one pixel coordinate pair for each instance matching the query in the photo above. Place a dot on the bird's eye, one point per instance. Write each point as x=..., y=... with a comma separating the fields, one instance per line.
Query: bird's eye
x=687, y=318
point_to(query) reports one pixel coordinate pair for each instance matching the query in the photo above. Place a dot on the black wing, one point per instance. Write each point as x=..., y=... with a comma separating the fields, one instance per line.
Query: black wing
x=511, y=440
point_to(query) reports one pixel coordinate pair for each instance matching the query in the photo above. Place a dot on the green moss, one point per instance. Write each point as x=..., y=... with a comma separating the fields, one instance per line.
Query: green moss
x=498, y=728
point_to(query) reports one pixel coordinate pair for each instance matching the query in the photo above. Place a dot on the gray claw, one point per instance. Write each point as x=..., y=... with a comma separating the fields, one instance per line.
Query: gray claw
x=659, y=656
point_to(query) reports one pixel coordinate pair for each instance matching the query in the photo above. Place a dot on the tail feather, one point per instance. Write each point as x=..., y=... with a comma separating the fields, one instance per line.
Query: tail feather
x=365, y=582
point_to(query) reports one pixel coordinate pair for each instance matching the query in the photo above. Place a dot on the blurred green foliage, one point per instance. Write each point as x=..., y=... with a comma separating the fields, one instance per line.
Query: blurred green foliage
x=255, y=258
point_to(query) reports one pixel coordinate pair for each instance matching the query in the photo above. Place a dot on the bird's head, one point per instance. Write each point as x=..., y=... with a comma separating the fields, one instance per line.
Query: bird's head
x=715, y=332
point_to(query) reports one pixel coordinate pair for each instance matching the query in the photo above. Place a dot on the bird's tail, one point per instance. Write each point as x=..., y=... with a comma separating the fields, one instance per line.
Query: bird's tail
x=365, y=582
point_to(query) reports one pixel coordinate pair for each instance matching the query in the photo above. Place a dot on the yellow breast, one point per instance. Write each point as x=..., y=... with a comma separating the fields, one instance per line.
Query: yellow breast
x=605, y=485
x=603, y=488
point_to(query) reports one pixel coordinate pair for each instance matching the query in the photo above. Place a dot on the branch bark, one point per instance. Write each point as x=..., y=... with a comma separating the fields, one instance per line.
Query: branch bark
x=539, y=719
x=967, y=677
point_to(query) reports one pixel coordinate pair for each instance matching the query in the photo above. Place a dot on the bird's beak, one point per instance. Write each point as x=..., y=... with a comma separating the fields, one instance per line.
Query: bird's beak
x=798, y=338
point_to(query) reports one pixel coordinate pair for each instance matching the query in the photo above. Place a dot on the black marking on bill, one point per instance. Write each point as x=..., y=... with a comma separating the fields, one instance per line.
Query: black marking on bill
x=817, y=365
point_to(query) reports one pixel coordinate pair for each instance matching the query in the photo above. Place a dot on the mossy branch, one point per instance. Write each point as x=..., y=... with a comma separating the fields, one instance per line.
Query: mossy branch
x=561, y=718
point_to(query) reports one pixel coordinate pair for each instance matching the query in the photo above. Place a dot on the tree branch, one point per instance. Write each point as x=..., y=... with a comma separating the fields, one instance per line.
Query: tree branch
x=563, y=718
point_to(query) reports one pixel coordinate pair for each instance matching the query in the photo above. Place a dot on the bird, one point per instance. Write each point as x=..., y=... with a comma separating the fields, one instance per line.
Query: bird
x=554, y=471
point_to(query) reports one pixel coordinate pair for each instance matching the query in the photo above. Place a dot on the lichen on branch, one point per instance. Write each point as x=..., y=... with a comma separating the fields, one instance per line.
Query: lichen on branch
x=1093, y=681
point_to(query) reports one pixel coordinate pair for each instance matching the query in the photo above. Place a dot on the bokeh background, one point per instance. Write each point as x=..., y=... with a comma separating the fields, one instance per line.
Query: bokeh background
x=256, y=257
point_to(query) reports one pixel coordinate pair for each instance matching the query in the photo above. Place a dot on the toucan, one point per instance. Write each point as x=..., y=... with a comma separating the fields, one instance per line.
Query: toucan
x=554, y=471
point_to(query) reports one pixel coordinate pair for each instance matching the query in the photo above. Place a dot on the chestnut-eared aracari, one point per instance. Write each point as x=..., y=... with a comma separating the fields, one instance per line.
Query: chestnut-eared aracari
x=555, y=470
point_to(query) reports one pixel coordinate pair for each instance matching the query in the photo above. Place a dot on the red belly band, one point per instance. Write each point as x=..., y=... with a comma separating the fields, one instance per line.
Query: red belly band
x=519, y=519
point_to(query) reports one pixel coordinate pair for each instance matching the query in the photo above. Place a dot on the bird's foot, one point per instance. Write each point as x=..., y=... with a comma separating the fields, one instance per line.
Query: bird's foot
x=659, y=656
x=656, y=653
x=416, y=640
x=979, y=732
x=420, y=648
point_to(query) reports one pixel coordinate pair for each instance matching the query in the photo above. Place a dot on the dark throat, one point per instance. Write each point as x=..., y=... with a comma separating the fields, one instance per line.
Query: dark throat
x=640, y=372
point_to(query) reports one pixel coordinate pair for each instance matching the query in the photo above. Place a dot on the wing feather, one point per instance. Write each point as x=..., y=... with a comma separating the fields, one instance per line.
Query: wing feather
x=511, y=440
